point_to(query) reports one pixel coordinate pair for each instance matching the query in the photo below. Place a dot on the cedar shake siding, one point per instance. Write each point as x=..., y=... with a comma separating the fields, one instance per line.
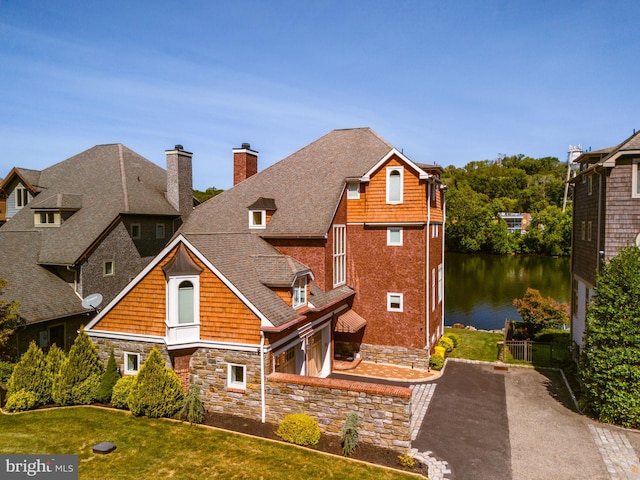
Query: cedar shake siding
x=585, y=205
x=622, y=214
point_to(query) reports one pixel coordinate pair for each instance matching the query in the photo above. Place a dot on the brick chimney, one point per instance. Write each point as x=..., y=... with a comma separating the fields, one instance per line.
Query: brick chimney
x=179, y=180
x=245, y=163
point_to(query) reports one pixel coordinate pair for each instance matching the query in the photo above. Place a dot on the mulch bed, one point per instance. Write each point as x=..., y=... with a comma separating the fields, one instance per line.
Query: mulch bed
x=365, y=452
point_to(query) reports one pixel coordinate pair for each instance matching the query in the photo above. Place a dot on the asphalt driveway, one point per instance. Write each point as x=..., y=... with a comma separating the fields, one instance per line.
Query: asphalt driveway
x=518, y=424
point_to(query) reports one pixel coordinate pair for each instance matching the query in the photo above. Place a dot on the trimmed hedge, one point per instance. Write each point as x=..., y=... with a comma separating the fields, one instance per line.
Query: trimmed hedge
x=300, y=429
x=30, y=375
x=121, y=391
x=436, y=361
x=446, y=343
x=455, y=338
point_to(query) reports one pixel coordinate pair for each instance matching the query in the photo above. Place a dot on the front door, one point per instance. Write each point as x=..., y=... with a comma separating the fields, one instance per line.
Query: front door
x=315, y=355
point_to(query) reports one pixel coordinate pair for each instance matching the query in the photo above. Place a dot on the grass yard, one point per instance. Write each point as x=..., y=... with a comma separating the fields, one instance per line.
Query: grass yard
x=150, y=448
x=476, y=345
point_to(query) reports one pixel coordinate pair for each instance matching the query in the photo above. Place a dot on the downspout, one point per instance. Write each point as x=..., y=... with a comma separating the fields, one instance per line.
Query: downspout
x=262, y=379
x=600, y=256
x=427, y=269
x=444, y=222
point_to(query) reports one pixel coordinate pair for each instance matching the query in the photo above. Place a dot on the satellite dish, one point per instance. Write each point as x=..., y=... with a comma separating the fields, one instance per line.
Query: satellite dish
x=92, y=301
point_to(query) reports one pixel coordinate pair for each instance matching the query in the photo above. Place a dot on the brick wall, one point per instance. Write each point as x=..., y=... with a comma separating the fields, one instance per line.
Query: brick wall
x=384, y=411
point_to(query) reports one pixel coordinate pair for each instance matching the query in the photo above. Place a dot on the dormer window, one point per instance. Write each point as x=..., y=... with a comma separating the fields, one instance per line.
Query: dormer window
x=300, y=292
x=47, y=219
x=261, y=211
x=22, y=196
x=257, y=219
x=353, y=190
x=394, y=184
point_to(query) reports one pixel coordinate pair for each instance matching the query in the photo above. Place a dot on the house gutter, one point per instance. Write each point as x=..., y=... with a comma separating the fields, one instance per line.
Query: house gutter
x=262, y=379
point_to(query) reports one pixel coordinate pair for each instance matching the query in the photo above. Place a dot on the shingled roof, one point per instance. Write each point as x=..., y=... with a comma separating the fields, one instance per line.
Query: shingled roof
x=100, y=183
x=306, y=187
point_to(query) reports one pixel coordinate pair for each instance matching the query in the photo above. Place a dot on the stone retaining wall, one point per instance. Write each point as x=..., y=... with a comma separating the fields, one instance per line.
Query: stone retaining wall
x=384, y=411
x=405, y=357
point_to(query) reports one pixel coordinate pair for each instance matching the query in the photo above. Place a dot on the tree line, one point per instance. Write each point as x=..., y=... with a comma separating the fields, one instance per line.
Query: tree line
x=480, y=190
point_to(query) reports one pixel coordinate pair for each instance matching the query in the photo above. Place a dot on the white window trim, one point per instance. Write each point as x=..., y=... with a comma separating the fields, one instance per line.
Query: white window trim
x=355, y=193
x=104, y=268
x=236, y=385
x=133, y=235
x=126, y=369
x=263, y=219
x=401, y=171
x=299, y=284
x=440, y=282
x=173, y=306
x=400, y=297
x=39, y=223
x=339, y=258
x=433, y=289
x=162, y=227
x=634, y=179
x=390, y=242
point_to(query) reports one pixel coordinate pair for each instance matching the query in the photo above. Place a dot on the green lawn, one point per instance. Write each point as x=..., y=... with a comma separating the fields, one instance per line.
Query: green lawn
x=476, y=345
x=150, y=448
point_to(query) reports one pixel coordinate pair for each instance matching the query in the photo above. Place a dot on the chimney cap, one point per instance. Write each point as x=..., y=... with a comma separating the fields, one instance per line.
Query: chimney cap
x=246, y=145
x=179, y=147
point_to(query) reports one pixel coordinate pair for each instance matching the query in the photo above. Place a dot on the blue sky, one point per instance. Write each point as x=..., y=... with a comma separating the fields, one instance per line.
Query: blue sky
x=446, y=81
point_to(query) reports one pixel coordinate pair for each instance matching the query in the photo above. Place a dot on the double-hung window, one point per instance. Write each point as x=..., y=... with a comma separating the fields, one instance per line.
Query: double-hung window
x=22, y=196
x=339, y=255
x=299, y=292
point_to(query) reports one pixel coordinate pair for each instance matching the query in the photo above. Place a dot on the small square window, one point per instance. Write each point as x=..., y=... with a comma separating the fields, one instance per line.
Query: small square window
x=135, y=231
x=160, y=230
x=131, y=363
x=353, y=191
x=394, y=236
x=394, y=302
x=236, y=378
x=257, y=219
x=108, y=268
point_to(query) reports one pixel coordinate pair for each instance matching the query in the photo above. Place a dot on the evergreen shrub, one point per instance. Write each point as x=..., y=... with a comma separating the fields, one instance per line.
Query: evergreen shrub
x=439, y=351
x=156, y=391
x=80, y=374
x=22, y=400
x=55, y=358
x=350, y=434
x=121, y=391
x=446, y=343
x=192, y=409
x=436, y=361
x=455, y=338
x=109, y=379
x=300, y=429
x=6, y=369
x=31, y=375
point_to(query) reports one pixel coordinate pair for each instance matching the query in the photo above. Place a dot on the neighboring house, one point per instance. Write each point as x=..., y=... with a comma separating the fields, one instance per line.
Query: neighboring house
x=335, y=251
x=516, y=222
x=606, y=217
x=86, y=225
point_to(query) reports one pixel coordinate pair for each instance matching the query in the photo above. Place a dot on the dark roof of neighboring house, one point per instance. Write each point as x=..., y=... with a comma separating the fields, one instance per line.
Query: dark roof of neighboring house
x=100, y=183
x=41, y=294
x=97, y=185
x=306, y=187
x=631, y=144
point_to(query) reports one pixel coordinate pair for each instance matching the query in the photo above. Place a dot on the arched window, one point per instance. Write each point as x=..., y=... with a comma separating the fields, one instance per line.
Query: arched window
x=186, y=302
x=394, y=185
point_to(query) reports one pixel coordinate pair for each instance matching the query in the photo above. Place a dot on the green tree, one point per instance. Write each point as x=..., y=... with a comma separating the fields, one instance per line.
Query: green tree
x=9, y=317
x=79, y=377
x=609, y=363
x=31, y=375
x=156, y=390
x=207, y=194
x=109, y=379
x=538, y=312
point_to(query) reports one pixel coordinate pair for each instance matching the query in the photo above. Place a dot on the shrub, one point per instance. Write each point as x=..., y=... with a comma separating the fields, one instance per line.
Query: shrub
x=407, y=460
x=436, y=361
x=79, y=374
x=350, y=434
x=156, y=391
x=192, y=408
x=539, y=313
x=121, y=391
x=21, y=400
x=6, y=369
x=300, y=429
x=31, y=374
x=439, y=351
x=109, y=379
x=455, y=338
x=55, y=358
x=446, y=343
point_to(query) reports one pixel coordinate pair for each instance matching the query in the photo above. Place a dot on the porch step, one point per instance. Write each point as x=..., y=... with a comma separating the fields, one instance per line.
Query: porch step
x=420, y=399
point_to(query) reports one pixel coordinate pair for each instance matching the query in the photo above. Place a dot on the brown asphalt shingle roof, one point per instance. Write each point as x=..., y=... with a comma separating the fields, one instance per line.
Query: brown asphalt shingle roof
x=306, y=187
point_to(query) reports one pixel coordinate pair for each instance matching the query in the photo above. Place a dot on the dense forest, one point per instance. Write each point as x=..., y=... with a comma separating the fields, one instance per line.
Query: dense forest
x=479, y=191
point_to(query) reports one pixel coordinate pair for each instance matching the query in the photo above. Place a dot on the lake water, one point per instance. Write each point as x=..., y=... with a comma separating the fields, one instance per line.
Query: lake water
x=479, y=289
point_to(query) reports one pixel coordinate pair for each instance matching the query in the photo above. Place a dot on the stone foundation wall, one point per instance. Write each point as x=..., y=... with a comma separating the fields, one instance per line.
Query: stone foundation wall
x=405, y=357
x=384, y=411
x=208, y=369
x=106, y=345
